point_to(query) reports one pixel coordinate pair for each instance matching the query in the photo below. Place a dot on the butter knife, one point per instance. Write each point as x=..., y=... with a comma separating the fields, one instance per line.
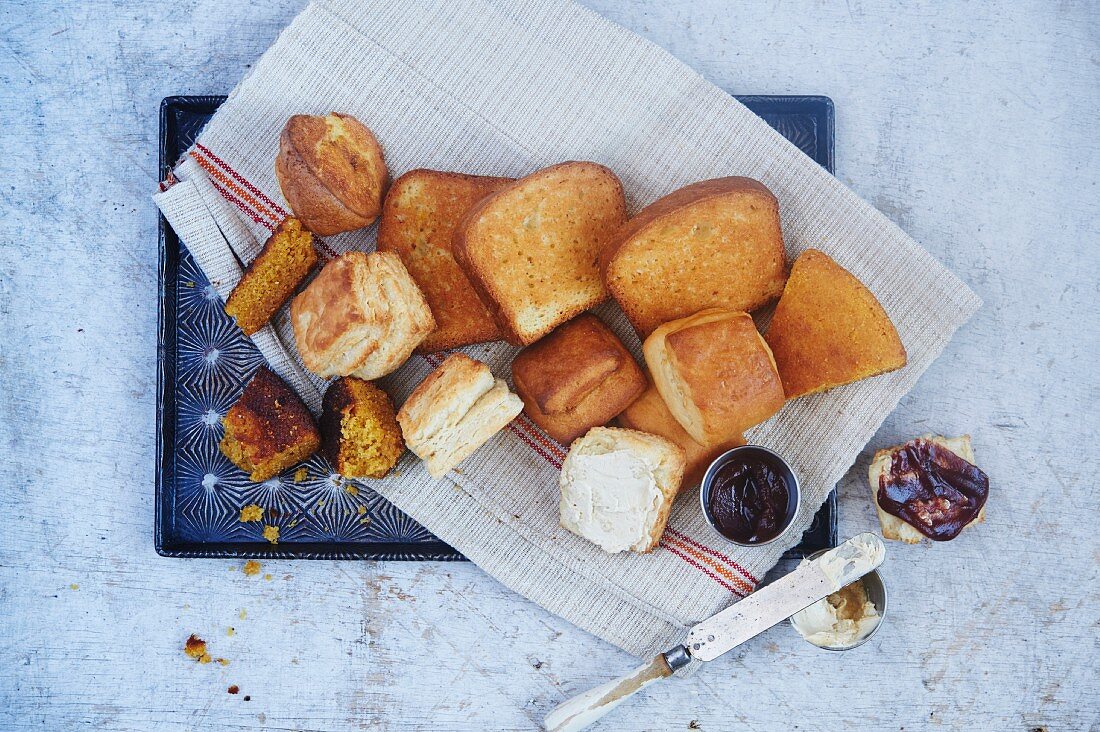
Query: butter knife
x=730, y=628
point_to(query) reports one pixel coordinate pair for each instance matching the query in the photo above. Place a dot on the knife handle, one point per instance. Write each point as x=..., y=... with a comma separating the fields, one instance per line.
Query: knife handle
x=584, y=709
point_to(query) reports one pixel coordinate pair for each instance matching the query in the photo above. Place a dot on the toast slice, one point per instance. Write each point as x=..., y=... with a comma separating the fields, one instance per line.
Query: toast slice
x=532, y=249
x=419, y=217
x=716, y=243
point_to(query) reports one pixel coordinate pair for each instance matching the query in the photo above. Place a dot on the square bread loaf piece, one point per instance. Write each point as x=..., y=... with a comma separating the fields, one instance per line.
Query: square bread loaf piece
x=829, y=329
x=361, y=316
x=454, y=411
x=618, y=487
x=715, y=373
x=579, y=376
x=359, y=432
x=716, y=243
x=268, y=429
x=892, y=526
x=649, y=413
x=419, y=217
x=532, y=248
x=284, y=263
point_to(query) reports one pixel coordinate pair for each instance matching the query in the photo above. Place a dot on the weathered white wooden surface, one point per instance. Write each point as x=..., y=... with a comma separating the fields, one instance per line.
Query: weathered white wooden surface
x=973, y=126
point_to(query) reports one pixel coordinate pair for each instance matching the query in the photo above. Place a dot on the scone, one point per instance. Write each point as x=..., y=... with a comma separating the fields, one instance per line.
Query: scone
x=531, y=249
x=268, y=429
x=828, y=329
x=649, y=413
x=716, y=243
x=715, y=373
x=951, y=510
x=578, y=377
x=360, y=436
x=618, y=487
x=361, y=316
x=418, y=221
x=274, y=275
x=331, y=171
x=454, y=411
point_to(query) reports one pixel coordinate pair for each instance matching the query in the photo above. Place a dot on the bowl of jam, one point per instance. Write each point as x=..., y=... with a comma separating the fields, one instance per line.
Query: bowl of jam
x=750, y=495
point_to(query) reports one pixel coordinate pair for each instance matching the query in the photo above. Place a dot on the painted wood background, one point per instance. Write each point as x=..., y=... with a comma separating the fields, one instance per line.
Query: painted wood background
x=971, y=125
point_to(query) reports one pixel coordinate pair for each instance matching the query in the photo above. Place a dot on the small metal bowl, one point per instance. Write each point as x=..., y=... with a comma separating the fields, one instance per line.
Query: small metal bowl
x=790, y=479
x=876, y=594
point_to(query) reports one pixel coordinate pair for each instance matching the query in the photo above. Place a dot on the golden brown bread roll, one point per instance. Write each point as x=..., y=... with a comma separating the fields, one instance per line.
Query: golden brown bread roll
x=579, y=376
x=649, y=413
x=331, y=171
x=828, y=329
x=362, y=316
x=715, y=373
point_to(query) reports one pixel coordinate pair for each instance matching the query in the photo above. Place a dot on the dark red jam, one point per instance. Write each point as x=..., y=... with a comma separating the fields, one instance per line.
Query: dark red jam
x=748, y=500
x=932, y=489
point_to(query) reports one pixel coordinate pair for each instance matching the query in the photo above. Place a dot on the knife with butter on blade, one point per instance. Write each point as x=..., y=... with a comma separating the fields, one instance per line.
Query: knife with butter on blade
x=728, y=629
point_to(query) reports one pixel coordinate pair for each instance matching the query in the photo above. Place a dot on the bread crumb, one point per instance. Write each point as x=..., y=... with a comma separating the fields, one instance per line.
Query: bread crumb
x=252, y=512
x=365, y=520
x=230, y=631
x=320, y=504
x=252, y=567
x=267, y=577
x=362, y=510
x=242, y=614
x=301, y=474
x=205, y=658
x=351, y=489
x=271, y=533
x=74, y=586
x=223, y=661
x=234, y=689
x=195, y=647
x=293, y=523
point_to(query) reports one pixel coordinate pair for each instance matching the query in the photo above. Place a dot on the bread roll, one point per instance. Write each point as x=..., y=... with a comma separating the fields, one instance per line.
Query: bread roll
x=331, y=171
x=618, y=487
x=649, y=413
x=715, y=373
x=454, y=411
x=362, y=315
x=578, y=377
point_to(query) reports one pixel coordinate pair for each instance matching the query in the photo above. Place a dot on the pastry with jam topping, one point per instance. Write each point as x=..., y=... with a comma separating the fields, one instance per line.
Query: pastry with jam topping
x=928, y=488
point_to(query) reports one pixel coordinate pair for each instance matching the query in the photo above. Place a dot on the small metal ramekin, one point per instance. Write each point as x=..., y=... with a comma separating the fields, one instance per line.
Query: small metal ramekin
x=781, y=465
x=876, y=594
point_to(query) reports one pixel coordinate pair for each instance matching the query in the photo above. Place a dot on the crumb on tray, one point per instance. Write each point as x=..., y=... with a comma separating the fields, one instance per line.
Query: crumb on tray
x=252, y=512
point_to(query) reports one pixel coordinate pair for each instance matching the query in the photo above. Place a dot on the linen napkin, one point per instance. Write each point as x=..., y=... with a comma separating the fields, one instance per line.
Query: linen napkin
x=506, y=88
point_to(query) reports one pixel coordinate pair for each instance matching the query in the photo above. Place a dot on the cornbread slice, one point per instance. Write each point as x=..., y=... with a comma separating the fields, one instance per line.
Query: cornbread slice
x=828, y=329
x=359, y=431
x=282, y=265
x=531, y=249
x=268, y=429
x=419, y=217
x=716, y=243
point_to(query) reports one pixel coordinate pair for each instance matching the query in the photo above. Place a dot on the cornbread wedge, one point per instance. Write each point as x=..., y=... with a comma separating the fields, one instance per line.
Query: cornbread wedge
x=418, y=221
x=716, y=243
x=283, y=264
x=531, y=249
x=360, y=436
x=828, y=329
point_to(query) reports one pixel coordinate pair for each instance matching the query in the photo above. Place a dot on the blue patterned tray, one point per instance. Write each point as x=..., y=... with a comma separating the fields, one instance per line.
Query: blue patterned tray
x=204, y=361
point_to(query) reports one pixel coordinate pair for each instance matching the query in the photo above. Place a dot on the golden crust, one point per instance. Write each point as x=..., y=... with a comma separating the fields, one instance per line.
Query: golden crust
x=362, y=315
x=579, y=376
x=331, y=171
x=359, y=431
x=531, y=249
x=649, y=413
x=419, y=217
x=282, y=265
x=828, y=329
x=715, y=243
x=268, y=429
x=893, y=527
x=715, y=373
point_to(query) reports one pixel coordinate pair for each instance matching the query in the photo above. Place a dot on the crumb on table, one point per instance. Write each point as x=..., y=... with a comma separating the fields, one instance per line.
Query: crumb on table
x=195, y=647
x=252, y=567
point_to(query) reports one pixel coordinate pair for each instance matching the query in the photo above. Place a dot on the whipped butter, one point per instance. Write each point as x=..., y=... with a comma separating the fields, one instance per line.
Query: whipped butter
x=842, y=619
x=611, y=499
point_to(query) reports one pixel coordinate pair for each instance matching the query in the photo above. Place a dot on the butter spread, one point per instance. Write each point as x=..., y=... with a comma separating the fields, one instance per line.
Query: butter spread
x=852, y=559
x=840, y=620
x=611, y=499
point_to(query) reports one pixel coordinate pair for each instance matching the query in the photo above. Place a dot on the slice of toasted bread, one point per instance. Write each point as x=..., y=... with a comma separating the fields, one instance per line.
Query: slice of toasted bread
x=716, y=243
x=829, y=329
x=418, y=221
x=531, y=249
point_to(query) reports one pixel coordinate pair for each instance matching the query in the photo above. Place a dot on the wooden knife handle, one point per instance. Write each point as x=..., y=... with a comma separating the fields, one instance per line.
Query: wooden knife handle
x=584, y=709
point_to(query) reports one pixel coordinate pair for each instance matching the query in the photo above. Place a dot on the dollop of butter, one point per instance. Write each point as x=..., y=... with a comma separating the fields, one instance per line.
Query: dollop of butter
x=611, y=499
x=840, y=620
